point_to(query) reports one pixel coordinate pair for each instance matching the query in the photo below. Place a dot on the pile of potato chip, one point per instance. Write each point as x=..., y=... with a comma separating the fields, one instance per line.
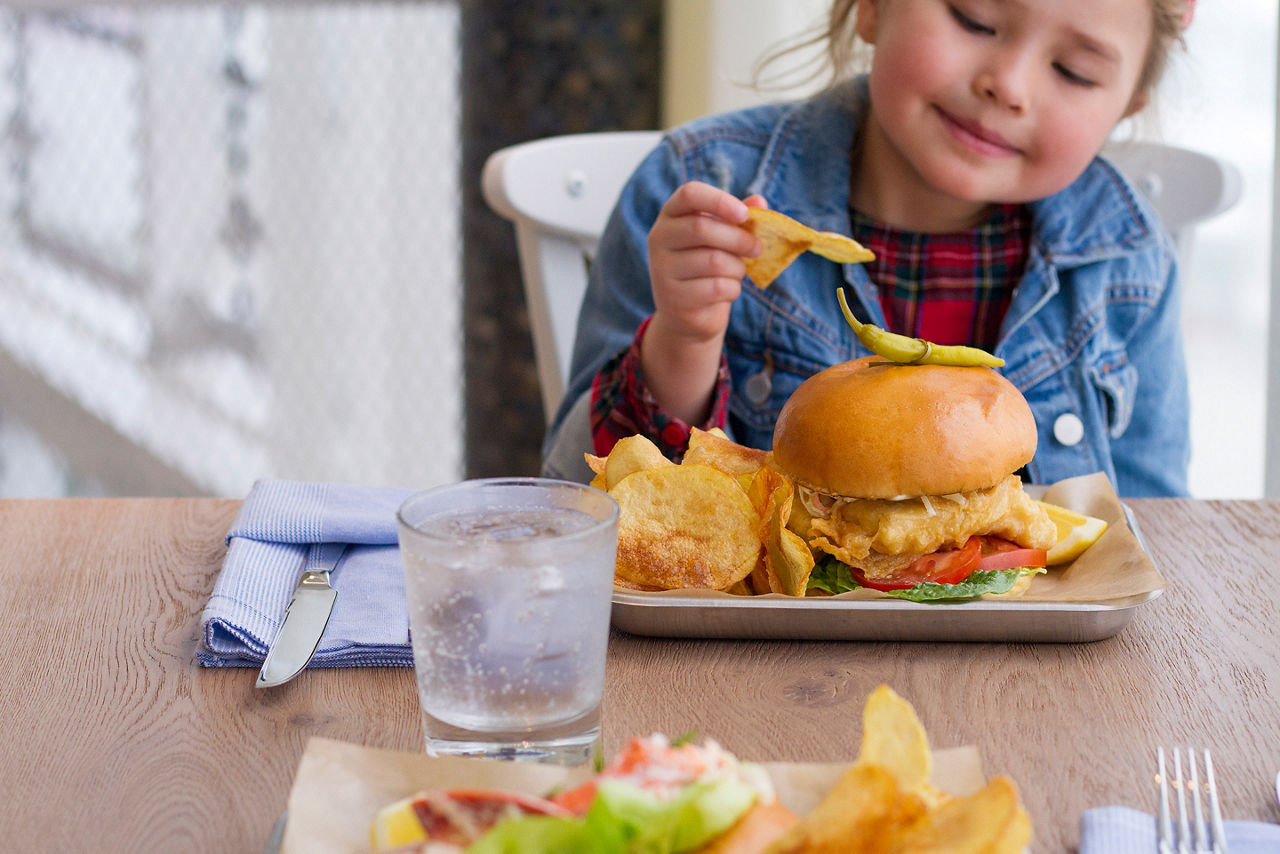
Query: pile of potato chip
x=884, y=802
x=718, y=520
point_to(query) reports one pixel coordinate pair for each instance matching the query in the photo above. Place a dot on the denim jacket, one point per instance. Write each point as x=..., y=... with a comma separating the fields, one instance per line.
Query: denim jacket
x=1092, y=337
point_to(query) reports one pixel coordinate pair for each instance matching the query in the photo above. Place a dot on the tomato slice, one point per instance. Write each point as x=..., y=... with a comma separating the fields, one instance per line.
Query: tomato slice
x=457, y=815
x=578, y=799
x=1002, y=554
x=945, y=567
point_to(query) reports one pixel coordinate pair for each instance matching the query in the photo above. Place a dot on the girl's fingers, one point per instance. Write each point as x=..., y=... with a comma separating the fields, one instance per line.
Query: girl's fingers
x=699, y=230
x=695, y=297
x=696, y=197
x=701, y=263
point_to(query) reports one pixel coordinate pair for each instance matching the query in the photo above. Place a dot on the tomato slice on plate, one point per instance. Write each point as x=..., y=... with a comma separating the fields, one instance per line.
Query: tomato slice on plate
x=1002, y=554
x=459, y=815
x=945, y=567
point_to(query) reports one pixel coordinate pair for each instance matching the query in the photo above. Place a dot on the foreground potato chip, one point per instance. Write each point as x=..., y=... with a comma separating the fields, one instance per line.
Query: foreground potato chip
x=884, y=803
x=783, y=239
x=894, y=738
x=684, y=526
x=860, y=814
x=990, y=819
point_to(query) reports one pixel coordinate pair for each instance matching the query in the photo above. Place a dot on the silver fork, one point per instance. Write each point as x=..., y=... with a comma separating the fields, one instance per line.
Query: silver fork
x=1193, y=833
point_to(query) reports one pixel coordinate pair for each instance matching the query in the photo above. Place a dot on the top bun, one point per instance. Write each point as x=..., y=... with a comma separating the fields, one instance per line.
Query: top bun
x=872, y=429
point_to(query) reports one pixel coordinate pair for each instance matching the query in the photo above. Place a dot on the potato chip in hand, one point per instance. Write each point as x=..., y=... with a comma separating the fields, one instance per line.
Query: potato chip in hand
x=783, y=240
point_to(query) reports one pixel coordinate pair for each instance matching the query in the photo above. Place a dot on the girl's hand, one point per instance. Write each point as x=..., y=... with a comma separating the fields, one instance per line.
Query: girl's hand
x=696, y=248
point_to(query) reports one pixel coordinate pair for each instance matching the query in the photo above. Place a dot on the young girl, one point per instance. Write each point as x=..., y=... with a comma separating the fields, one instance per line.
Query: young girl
x=967, y=161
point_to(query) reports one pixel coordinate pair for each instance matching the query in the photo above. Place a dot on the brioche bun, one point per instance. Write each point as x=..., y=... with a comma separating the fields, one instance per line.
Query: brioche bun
x=869, y=428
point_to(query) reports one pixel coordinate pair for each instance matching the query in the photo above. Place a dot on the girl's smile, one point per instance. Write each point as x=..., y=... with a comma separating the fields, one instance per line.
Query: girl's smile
x=977, y=138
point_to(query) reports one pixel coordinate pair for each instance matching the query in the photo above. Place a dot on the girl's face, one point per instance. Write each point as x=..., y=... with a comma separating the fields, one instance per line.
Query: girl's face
x=977, y=102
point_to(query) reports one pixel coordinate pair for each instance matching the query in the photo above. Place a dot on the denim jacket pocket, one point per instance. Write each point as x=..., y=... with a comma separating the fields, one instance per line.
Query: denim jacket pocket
x=1117, y=381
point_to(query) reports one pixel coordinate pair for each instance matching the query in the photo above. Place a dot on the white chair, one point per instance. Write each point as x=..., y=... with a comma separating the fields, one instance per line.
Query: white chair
x=559, y=192
x=1185, y=187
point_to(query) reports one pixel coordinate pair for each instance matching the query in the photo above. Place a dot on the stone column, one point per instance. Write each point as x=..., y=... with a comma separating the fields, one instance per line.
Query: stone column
x=531, y=69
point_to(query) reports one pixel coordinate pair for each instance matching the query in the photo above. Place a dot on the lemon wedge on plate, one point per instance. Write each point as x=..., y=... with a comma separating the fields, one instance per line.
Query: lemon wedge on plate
x=1076, y=532
x=396, y=825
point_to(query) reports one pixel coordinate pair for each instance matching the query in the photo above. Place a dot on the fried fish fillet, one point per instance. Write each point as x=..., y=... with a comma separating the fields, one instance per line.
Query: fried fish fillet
x=883, y=536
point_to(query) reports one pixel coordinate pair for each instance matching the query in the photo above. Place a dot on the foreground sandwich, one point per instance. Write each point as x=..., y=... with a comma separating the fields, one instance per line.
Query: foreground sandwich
x=653, y=797
x=906, y=479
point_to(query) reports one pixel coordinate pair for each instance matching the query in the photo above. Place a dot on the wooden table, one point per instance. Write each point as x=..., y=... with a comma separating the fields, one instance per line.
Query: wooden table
x=114, y=740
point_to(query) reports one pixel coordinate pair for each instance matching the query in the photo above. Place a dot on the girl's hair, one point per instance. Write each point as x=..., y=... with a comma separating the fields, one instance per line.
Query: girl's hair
x=843, y=54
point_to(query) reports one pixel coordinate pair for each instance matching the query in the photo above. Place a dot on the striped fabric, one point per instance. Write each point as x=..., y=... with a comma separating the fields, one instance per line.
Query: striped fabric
x=285, y=528
x=1122, y=830
x=948, y=288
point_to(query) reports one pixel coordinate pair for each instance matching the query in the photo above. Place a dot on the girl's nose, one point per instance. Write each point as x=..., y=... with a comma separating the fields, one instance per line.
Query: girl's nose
x=1005, y=82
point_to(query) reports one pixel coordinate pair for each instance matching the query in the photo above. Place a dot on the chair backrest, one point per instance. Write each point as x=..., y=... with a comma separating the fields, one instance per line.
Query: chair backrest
x=559, y=192
x=1185, y=187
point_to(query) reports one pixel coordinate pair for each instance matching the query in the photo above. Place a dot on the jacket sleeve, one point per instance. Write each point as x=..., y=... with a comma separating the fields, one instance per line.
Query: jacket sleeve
x=1152, y=454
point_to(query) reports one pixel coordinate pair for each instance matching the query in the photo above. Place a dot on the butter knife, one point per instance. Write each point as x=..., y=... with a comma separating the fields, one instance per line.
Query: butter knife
x=304, y=620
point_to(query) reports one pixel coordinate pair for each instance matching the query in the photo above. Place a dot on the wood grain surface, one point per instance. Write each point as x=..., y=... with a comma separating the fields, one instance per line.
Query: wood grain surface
x=115, y=740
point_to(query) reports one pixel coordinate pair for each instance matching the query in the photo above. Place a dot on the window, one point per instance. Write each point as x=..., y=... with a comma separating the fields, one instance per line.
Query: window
x=230, y=237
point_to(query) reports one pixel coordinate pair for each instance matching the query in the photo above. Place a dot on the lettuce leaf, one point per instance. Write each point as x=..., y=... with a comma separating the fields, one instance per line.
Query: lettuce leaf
x=624, y=819
x=982, y=581
x=832, y=576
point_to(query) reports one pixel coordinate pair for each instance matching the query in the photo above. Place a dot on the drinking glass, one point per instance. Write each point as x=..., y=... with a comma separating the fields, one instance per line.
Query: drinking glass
x=509, y=583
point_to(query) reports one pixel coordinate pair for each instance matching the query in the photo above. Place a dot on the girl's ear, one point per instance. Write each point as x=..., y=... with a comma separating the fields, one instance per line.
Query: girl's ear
x=867, y=13
x=1136, y=105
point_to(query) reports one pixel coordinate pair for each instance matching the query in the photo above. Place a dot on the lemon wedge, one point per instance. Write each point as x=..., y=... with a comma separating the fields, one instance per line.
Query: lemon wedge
x=1076, y=532
x=396, y=825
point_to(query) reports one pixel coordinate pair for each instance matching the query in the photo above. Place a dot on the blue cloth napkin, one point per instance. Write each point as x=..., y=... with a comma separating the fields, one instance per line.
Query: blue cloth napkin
x=282, y=529
x=1121, y=830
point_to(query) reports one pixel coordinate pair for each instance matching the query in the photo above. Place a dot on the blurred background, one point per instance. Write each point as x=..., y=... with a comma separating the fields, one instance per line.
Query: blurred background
x=243, y=241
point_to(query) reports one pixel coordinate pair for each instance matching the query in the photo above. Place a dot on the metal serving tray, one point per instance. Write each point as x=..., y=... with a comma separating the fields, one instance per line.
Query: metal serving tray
x=822, y=618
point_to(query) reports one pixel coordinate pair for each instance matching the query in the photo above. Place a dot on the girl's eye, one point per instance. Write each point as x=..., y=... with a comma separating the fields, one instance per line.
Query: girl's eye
x=969, y=24
x=1073, y=78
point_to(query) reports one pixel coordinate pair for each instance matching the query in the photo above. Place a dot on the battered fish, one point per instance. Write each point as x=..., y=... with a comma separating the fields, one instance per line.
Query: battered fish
x=883, y=536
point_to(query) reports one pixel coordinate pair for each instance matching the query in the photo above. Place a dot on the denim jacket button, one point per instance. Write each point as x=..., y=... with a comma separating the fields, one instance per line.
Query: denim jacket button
x=758, y=387
x=1068, y=429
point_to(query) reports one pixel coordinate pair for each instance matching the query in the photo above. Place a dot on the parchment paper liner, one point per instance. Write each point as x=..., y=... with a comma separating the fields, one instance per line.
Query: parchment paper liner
x=1115, y=567
x=340, y=786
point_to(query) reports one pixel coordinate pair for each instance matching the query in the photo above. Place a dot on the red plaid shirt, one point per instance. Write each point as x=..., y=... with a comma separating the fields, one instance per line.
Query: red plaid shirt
x=947, y=288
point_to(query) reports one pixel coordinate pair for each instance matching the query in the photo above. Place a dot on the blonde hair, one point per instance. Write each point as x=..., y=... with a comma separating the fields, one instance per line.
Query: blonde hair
x=844, y=51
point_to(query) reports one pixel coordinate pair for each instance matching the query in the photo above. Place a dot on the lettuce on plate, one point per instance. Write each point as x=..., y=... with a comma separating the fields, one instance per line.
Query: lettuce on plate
x=624, y=819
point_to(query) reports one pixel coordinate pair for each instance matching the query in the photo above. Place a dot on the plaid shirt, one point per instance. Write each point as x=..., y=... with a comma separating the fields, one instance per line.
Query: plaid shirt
x=946, y=288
